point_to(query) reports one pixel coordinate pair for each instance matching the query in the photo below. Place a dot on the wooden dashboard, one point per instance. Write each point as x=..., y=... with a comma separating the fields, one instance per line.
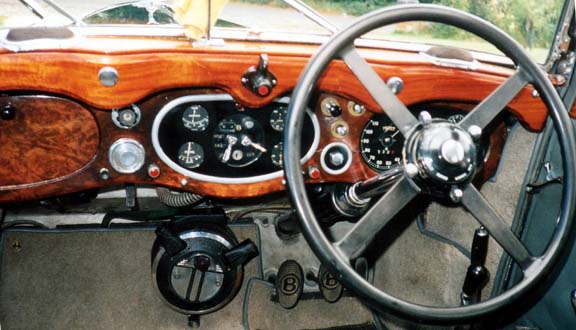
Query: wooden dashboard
x=59, y=138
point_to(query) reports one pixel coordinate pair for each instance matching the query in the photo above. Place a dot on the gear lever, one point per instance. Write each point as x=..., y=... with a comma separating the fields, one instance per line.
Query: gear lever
x=477, y=275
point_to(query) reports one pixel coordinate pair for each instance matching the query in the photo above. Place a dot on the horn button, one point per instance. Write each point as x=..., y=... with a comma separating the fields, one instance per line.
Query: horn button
x=443, y=152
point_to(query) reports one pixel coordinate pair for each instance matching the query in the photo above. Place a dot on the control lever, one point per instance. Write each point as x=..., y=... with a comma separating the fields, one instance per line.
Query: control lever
x=477, y=275
x=241, y=254
x=171, y=242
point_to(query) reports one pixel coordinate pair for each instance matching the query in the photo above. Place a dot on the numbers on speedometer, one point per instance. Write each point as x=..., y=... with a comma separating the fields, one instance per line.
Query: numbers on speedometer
x=381, y=144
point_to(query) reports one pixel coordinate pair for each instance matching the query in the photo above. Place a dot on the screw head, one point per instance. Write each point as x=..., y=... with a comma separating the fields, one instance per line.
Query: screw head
x=341, y=130
x=411, y=170
x=183, y=182
x=456, y=194
x=475, y=132
x=104, y=174
x=425, y=118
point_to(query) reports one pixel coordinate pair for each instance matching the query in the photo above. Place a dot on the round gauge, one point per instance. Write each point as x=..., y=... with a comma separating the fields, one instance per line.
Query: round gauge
x=276, y=154
x=277, y=118
x=191, y=155
x=238, y=140
x=381, y=144
x=455, y=119
x=195, y=118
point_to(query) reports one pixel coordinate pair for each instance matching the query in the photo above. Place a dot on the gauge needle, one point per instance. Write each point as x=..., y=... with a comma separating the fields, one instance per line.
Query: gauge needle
x=247, y=142
x=393, y=135
x=231, y=141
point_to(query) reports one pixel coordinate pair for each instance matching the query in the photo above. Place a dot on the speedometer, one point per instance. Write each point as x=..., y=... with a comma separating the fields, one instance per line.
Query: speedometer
x=381, y=144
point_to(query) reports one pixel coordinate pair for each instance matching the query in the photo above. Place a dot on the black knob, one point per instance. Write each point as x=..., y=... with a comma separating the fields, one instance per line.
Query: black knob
x=334, y=109
x=8, y=112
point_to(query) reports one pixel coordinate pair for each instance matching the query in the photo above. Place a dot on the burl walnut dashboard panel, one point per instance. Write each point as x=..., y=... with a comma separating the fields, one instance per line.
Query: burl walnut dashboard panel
x=60, y=137
x=44, y=140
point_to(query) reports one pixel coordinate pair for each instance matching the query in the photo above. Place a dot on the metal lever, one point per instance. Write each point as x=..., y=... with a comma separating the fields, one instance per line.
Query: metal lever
x=259, y=80
x=551, y=177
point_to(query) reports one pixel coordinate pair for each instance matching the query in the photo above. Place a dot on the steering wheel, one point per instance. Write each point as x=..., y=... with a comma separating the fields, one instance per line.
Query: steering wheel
x=439, y=159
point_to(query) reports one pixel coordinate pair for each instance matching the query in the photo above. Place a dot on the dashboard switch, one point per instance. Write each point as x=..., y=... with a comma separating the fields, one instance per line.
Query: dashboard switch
x=313, y=172
x=259, y=80
x=336, y=158
x=153, y=171
x=331, y=107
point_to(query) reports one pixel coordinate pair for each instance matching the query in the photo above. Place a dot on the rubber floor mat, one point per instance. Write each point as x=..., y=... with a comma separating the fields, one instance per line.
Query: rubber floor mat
x=94, y=280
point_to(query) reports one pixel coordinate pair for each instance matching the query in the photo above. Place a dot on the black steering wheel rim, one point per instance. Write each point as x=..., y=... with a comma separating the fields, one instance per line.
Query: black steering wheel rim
x=327, y=252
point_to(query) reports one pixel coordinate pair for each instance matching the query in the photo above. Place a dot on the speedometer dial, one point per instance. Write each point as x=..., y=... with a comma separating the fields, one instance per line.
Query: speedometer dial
x=381, y=144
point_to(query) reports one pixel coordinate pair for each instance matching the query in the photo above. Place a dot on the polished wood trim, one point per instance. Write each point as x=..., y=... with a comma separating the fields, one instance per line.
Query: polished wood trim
x=89, y=176
x=75, y=74
x=49, y=140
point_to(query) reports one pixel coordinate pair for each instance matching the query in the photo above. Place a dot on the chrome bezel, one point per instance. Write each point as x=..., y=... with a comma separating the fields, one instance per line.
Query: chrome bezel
x=139, y=162
x=346, y=165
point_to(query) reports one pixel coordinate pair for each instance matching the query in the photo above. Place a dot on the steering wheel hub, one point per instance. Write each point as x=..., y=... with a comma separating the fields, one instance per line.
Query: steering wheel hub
x=443, y=152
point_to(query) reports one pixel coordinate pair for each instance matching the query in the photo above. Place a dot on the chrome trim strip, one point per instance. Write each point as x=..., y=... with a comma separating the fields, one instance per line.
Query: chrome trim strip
x=451, y=62
x=216, y=179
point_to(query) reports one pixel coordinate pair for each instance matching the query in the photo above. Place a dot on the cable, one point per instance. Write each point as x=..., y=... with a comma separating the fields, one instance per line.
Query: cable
x=425, y=231
x=177, y=199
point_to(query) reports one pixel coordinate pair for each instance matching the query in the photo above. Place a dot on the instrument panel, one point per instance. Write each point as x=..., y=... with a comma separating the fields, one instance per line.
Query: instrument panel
x=205, y=141
x=213, y=139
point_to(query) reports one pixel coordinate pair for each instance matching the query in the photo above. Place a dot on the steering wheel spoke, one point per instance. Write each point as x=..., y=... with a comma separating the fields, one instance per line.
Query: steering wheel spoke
x=490, y=107
x=386, y=99
x=384, y=210
x=481, y=209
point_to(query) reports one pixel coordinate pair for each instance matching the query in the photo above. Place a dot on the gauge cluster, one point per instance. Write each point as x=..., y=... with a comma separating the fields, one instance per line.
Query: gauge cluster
x=212, y=138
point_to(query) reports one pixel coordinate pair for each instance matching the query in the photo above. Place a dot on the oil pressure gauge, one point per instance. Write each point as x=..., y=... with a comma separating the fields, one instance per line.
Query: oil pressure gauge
x=191, y=155
x=196, y=118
